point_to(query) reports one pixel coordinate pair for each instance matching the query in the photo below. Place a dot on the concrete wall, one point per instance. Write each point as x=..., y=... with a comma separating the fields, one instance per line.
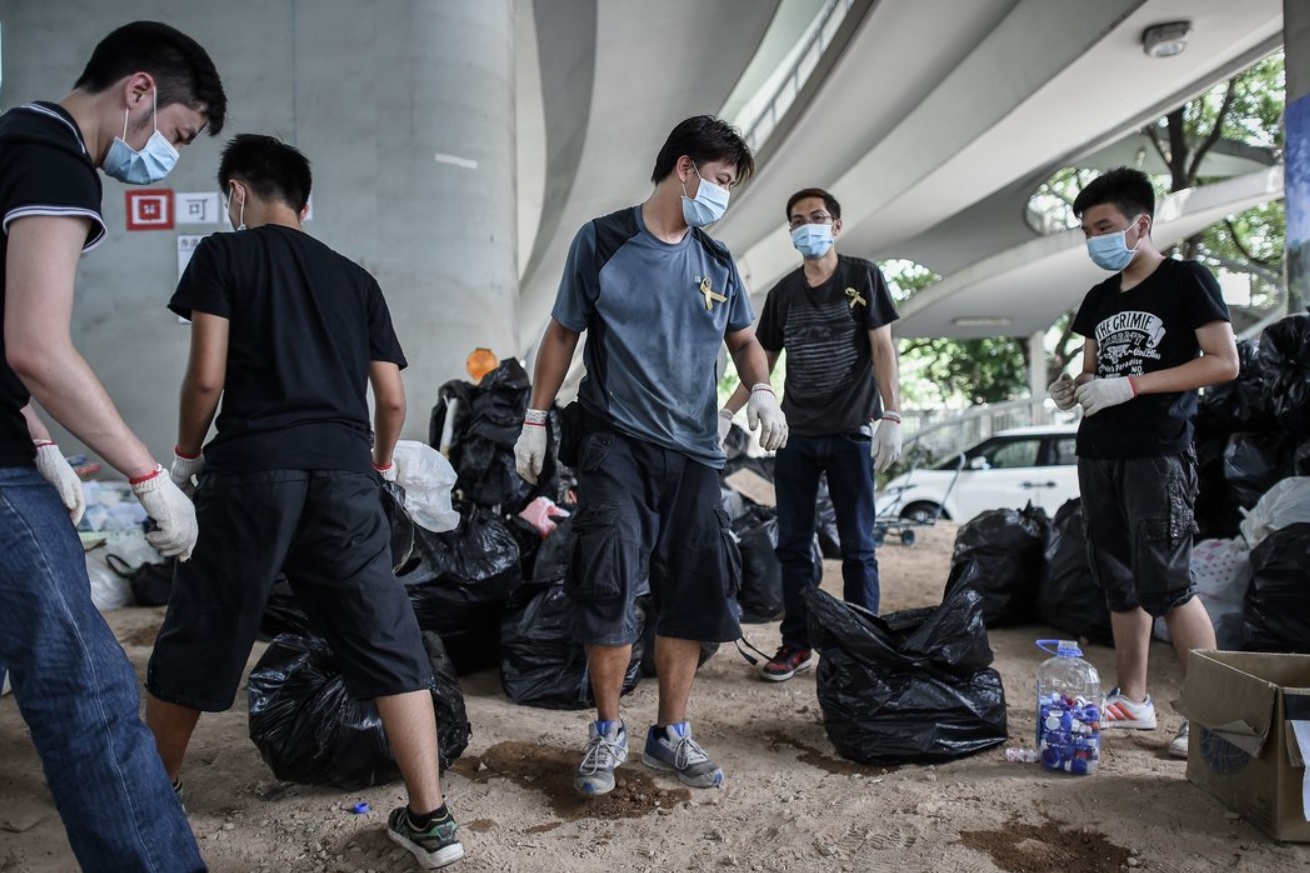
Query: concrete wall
x=406, y=110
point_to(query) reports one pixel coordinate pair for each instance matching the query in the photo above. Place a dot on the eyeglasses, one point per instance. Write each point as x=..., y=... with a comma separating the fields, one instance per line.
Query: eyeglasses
x=812, y=218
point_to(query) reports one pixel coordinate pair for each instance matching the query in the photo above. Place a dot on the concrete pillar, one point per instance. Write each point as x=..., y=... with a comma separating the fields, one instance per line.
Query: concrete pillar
x=1296, y=44
x=447, y=213
x=1037, y=375
x=405, y=108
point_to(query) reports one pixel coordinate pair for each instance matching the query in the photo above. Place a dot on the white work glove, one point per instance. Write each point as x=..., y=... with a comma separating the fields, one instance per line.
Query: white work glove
x=388, y=473
x=1062, y=392
x=887, y=441
x=183, y=470
x=1101, y=394
x=725, y=424
x=530, y=450
x=764, y=413
x=173, y=514
x=58, y=472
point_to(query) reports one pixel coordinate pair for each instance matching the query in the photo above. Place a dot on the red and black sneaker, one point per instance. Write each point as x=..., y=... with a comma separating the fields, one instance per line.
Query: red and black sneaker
x=786, y=663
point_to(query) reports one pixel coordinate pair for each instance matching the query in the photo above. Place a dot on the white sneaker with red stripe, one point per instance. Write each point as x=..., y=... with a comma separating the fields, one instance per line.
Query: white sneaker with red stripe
x=1122, y=712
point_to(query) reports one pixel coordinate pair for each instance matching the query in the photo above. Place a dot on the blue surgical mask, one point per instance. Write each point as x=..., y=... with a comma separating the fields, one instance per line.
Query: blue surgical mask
x=1110, y=251
x=812, y=240
x=709, y=205
x=144, y=167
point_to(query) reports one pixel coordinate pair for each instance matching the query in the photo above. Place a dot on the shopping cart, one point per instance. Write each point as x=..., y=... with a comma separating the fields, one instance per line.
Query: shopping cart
x=889, y=519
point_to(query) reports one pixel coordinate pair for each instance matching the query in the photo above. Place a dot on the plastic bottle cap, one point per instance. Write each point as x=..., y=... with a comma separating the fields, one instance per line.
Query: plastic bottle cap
x=360, y=808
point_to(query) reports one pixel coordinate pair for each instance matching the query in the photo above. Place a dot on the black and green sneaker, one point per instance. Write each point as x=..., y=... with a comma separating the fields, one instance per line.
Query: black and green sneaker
x=434, y=846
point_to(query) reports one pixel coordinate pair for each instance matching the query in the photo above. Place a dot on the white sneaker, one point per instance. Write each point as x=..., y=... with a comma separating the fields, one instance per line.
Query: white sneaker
x=1178, y=745
x=1122, y=712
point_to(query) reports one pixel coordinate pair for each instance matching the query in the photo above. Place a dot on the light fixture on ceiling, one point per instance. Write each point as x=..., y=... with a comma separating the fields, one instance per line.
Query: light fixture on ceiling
x=981, y=321
x=1166, y=40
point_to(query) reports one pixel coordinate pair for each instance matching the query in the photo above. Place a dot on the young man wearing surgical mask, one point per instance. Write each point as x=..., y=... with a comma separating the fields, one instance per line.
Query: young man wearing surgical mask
x=658, y=297
x=833, y=316
x=146, y=91
x=287, y=336
x=1156, y=331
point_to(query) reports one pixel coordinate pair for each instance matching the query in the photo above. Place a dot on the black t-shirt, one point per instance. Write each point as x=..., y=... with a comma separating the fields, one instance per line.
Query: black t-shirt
x=830, y=386
x=44, y=170
x=304, y=324
x=1150, y=327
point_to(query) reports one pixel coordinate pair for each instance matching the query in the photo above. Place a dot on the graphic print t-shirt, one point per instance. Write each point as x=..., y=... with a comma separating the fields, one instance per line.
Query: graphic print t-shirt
x=831, y=386
x=1147, y=328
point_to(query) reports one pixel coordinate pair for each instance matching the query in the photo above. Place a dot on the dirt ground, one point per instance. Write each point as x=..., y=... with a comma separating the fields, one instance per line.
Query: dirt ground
x=789, y=804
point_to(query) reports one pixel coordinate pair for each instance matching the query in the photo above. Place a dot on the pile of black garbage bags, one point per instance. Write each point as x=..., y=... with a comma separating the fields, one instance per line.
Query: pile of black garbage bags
x=1252, y=517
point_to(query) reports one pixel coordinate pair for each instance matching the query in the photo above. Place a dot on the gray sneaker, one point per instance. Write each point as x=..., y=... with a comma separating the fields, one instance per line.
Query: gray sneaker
x=1178, y=745
x=605, y=751
x=673, y=749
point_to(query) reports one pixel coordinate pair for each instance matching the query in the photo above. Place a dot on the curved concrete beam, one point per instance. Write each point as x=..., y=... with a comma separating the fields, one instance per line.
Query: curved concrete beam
x=1020, y=98
x=653, y=64
x=1032, y=284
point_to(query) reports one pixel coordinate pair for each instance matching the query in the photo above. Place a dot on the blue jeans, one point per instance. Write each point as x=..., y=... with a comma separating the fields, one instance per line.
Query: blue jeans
x=78, y=694
x=845, y=458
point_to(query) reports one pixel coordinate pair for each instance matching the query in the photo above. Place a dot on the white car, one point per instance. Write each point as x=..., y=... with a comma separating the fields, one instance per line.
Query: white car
x=1006, y=471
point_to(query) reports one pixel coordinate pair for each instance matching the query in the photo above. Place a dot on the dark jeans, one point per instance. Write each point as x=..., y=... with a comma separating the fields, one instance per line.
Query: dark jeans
x=845, y=458
x=78, y=694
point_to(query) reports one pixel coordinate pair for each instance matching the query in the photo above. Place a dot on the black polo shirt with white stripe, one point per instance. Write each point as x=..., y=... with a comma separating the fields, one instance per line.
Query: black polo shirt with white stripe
x=44, y=170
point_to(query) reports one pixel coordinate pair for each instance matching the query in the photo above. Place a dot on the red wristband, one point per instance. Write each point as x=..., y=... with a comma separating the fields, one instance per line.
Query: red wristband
x=383, y=469
x=1132, y=385
x=152, y=474
x=42, y=443
x=534, y=424
x=183, y=455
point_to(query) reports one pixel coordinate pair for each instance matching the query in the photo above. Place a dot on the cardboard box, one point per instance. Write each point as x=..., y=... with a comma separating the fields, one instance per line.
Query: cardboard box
x=1243, y=750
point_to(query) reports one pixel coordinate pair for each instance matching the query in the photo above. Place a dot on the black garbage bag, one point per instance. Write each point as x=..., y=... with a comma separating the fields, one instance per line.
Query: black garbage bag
x=1277, y=615
x=556, y=552
x=1068, y=598
x=1218, y=513
x=912, y=686
x=462, y=583
x=1254, y=463
x=309, y=730
x=825, y=521
x=487, y=423
x=403, y=558
x=760, y=597
x=151, y=583
x=707, y=650
x=540, y=664
x=1007, y=545
x=1285, y=368
x=761, y=574
x=1240, y=405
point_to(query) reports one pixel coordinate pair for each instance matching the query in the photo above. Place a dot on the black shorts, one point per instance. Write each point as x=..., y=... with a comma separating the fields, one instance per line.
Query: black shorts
x=327, y=531
x=1139, y=519
x=649, y=513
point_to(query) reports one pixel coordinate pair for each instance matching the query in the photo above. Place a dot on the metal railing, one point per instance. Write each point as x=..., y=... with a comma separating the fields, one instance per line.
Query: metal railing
x=938, y=434
x=830, y=18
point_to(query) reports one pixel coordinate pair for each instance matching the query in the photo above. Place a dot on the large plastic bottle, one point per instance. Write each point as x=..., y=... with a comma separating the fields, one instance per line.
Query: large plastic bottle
x=1068, y=710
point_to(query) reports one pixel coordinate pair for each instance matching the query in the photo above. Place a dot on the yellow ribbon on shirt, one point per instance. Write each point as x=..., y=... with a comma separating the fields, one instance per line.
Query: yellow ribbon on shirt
x=707, y=288
x=856, y=298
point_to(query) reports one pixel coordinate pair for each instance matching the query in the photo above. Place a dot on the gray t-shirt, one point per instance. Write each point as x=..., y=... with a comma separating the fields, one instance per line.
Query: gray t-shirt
x=656, y=314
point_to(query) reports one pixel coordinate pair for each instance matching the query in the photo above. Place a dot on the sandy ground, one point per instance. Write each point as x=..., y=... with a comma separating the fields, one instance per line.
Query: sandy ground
x=788, y=804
